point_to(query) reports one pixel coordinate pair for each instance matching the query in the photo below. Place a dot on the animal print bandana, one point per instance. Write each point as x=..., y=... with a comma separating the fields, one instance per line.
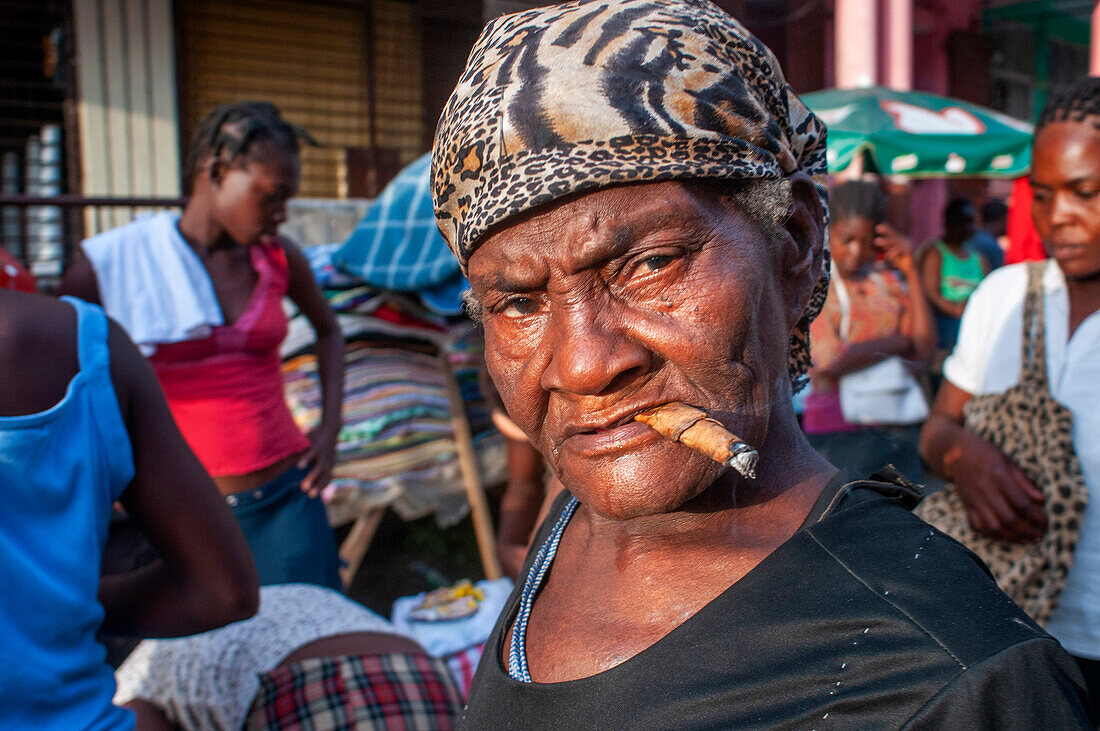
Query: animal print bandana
x=593, y=93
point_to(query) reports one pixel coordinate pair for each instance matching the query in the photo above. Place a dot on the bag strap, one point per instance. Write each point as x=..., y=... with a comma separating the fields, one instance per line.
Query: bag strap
x=837, y=283
x=1033, y=358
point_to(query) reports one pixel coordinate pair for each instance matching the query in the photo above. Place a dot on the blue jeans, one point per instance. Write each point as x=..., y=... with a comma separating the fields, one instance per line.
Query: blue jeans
x=288, y=532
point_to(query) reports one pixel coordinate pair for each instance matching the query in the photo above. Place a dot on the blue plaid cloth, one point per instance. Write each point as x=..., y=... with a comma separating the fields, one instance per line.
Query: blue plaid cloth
x=397, y=245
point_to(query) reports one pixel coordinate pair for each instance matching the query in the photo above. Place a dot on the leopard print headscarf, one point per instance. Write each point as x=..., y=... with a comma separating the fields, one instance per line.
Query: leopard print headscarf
x=593, y=93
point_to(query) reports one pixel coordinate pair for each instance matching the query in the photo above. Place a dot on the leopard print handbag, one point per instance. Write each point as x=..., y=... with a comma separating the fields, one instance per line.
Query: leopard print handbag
x=1035, y=431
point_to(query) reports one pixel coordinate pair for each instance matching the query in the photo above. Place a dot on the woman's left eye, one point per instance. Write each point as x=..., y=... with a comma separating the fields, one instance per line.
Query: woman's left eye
x=519, y=306
x=660, y=261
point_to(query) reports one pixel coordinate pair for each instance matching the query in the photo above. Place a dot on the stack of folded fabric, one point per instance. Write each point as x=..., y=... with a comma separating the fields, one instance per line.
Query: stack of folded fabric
x=398, y=426
x=396, y=291
x=394, y=402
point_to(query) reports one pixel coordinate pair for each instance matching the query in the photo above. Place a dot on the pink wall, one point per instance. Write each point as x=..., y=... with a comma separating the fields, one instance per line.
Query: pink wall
x=933, y=21
x=931, y=25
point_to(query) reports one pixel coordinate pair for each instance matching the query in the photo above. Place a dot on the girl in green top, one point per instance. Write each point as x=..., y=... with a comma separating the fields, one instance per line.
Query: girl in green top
x=950, y=271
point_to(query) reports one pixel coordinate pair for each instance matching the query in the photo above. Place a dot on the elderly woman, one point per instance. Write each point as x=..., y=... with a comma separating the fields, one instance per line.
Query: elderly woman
x=636, y=196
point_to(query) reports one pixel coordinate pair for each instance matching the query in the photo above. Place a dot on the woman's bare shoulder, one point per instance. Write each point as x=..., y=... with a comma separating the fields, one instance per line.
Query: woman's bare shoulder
x=38, y=351
x=32, y=324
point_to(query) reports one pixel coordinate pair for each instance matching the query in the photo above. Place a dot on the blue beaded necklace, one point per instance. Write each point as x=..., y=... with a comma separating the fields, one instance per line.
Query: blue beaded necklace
x=517, y=651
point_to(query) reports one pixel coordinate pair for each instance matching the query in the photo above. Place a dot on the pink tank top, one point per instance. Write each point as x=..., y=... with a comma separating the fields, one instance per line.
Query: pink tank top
x=226, y=391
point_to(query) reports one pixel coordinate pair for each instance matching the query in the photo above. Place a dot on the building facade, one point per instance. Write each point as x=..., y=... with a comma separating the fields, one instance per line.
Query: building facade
x=119, y=85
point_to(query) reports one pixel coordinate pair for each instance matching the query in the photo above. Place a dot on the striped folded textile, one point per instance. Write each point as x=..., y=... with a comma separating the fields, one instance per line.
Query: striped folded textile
x=398, y=428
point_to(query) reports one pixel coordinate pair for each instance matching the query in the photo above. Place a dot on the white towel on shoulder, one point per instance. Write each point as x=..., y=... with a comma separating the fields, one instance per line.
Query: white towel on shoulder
x=152, y=283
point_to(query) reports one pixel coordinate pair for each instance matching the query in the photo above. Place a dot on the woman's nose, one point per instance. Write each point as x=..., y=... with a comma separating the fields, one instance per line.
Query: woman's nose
x=592, y=354
x=1062, y=209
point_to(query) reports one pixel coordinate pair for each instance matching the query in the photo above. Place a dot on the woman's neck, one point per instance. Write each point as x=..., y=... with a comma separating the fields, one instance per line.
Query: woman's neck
x=1084, y=299
x=957, y=247
x=856, y=275
x=200, y=231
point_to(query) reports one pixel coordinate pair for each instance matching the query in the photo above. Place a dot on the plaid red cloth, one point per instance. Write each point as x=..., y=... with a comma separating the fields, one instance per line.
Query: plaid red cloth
x=463, y=665
x=394, y=691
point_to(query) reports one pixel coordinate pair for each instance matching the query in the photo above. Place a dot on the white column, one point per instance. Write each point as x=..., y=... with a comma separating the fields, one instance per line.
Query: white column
x=129, y=124
x=856, y=43
x=899, y=44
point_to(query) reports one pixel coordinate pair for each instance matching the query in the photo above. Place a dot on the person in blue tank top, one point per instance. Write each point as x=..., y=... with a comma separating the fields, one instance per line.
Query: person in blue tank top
x=82, y=424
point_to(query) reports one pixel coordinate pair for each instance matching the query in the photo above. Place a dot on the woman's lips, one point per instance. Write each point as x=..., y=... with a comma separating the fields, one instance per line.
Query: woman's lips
x=629, y=436
x=1066, y=251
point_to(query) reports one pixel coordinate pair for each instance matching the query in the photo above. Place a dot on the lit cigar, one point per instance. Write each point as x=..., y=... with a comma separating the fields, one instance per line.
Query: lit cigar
x=692, y=427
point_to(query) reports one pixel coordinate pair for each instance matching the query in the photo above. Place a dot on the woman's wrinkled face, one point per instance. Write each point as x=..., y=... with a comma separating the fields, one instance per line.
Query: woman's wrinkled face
x=250, y=195
x=620, y=300
x=1065, y=180
x=852, y=244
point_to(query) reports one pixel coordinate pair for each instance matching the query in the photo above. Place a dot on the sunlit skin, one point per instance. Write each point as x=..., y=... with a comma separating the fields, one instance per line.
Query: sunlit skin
x=622, y=299
x=1065, y=180
x=1065, y=177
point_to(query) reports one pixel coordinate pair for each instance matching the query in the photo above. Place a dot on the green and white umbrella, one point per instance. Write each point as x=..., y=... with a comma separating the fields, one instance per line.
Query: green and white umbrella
x=920, y=135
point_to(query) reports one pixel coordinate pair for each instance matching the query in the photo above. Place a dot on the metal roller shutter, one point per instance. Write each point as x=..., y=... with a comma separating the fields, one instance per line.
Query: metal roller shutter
x=311, y=60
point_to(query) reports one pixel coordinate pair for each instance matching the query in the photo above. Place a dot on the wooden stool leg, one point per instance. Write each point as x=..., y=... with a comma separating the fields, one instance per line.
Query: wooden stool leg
x=467, y=462
x=355, y=546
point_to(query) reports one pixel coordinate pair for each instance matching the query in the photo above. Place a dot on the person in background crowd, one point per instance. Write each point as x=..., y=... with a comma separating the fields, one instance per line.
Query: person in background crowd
x=203, y=293
x=987, y=239
x=527, y=497
x=884, y=315
x=637, y=196
x=529, y=492
x=1001, y=501
x=950, y=270
x=83, y=424
x=309, y=659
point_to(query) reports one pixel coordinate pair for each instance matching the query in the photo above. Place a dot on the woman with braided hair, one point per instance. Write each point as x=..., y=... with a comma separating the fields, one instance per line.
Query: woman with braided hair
x=871, y=314
x=201, y=294
x=1001, y=500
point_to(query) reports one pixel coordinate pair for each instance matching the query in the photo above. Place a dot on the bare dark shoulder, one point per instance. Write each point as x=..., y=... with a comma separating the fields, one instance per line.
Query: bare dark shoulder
x=80, y=280
x=297, y=264
x=303, y=291
x=131, y=373
x=293, y=250
x=38, y=352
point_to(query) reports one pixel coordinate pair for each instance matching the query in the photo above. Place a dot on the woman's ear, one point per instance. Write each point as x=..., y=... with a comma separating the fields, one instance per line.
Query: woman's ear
x=803, y=249
x=216, y=168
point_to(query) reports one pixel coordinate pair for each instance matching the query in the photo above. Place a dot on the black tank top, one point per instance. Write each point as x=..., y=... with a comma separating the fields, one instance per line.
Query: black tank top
x=865, y=618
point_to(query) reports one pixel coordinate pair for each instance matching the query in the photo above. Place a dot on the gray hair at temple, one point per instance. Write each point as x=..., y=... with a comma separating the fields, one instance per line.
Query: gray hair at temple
x=575, y=97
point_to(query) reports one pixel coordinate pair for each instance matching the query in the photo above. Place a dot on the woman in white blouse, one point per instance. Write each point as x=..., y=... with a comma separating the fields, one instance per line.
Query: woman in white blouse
x=1001, y=502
